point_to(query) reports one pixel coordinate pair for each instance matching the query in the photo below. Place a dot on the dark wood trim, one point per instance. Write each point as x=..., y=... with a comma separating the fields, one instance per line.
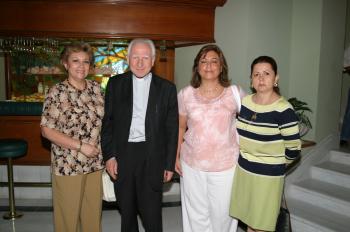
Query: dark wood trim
x=194, y=3
x=168, y=2
x=307, y=143
x=184, y=20
x=187, y=44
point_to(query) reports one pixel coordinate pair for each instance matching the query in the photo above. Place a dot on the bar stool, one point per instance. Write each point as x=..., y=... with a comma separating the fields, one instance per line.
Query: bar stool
x=10, y=149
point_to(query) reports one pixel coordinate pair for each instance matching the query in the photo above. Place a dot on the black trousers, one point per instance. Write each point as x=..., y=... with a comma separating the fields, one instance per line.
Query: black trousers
x=135, y=194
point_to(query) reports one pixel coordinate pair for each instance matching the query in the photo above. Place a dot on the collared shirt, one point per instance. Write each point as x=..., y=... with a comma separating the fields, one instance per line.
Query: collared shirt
x=141, y=88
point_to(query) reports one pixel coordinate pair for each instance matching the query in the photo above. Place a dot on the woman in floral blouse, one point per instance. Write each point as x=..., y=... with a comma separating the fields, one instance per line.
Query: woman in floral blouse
x=71, y=120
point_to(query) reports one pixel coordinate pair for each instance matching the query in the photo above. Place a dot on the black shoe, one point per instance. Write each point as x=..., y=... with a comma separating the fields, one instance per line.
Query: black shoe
x=343, y=143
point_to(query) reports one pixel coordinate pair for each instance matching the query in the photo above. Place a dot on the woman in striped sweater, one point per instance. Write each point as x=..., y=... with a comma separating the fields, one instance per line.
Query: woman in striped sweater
x=269, y=139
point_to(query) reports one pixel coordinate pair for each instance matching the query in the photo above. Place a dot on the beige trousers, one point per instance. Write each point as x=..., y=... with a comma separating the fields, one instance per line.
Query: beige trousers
x=77, y=202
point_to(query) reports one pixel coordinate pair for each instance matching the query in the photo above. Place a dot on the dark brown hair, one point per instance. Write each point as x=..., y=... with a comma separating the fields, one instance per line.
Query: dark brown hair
x=269, y=60
x=77, y=47
x=223, y=78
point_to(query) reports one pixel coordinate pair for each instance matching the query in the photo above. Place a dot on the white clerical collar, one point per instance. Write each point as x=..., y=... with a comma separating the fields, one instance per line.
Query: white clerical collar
x=145, y=78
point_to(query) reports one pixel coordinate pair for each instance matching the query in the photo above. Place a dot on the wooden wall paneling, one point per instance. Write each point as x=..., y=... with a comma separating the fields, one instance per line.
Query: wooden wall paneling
x=28, y=128
x=166, y=20
x=165, y=68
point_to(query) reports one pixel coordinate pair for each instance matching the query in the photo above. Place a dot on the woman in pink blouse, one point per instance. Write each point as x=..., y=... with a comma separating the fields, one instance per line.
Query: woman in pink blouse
x=208, y=149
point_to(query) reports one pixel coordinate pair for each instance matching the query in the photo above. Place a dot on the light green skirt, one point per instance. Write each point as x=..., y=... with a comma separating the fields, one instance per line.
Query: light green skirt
x=256, y=199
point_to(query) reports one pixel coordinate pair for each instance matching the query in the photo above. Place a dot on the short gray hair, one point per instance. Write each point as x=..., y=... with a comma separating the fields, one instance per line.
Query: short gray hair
x=143, y=41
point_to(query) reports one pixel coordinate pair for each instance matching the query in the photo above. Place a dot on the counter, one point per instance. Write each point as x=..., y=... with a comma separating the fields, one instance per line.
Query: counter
x=22, y=120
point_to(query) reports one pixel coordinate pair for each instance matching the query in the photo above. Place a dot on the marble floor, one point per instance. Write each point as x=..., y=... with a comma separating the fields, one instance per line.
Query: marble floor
x=38, y=217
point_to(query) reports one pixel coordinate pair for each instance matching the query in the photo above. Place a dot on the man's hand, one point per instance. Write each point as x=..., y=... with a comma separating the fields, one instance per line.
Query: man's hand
x=112, y=168
x=167, y=176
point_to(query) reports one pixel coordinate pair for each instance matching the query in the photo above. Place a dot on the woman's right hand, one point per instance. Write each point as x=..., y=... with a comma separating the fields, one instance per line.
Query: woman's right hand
x=89, y=150
x=178, y=168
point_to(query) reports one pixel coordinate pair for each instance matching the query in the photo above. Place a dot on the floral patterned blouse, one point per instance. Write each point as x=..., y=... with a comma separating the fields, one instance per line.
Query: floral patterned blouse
x=210, y=142
x=76, y=113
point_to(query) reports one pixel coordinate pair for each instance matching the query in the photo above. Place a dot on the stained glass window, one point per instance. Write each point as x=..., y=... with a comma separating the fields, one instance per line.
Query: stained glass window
x=109, y=61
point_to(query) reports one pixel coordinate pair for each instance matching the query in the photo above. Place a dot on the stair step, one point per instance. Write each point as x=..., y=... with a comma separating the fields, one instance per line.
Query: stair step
x=329, y=196
x=171, y=192
x=340, y=157
x=330, y=172
x=306, y=217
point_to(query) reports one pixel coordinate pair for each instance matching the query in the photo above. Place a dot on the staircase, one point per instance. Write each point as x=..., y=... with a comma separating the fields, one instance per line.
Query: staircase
x=319, y=200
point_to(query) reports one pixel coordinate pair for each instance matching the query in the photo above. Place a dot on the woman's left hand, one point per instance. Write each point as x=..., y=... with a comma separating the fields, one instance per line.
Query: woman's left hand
x=89, y=150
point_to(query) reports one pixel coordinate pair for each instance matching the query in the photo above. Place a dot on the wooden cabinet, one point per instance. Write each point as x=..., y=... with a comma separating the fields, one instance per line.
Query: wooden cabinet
x=28, y=128
x=181, y=21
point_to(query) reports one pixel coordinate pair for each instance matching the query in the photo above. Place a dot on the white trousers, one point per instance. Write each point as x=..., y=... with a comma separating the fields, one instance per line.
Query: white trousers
x=205, y=200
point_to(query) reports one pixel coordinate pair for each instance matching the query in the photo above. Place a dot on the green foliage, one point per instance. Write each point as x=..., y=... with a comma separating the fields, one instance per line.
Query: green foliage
x=301, y=108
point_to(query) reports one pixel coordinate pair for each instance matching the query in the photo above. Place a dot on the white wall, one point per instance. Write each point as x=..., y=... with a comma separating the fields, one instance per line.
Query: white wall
x=305, y=53
x=346, y=76
x=331, y=66
x=316, y=60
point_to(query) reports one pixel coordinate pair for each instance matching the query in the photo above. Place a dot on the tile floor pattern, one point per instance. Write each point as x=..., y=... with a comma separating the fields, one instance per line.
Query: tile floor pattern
x=41, y=221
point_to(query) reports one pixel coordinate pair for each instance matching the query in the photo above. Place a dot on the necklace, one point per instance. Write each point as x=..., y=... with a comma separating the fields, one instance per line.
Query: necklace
x=255, y=100
x=76, y=87
x=209, y=91
x=254, y=116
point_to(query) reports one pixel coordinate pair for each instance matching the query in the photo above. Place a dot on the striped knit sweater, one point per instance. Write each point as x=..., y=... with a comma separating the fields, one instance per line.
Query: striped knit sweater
x=269, y=137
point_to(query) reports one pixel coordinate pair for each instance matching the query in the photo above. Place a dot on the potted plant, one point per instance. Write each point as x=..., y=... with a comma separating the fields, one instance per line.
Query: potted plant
x=300, y=109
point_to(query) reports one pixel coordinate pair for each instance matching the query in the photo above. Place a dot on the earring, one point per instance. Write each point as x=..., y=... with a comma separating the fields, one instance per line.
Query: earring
x=275, y=84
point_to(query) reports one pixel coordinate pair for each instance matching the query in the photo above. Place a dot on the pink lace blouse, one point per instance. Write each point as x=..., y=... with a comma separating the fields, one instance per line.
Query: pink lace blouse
x=210, y=140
